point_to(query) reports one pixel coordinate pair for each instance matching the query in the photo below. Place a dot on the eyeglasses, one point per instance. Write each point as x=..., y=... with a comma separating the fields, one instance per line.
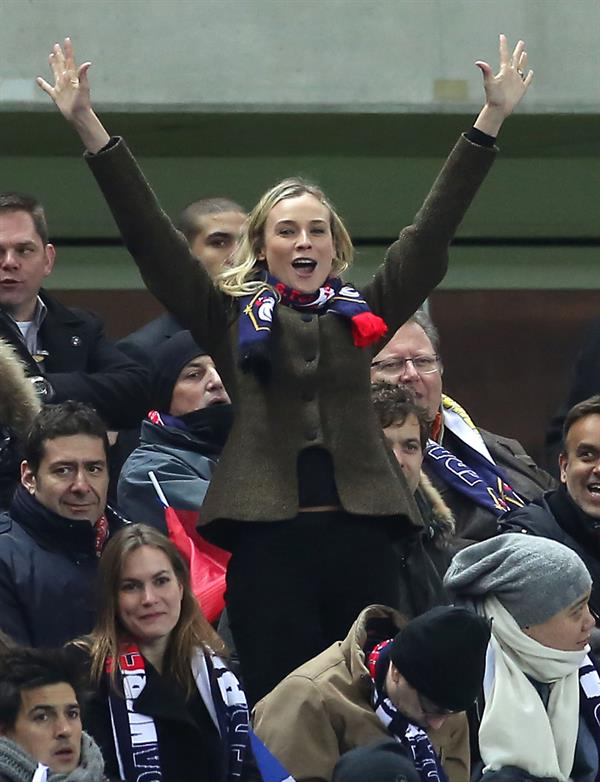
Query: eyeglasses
x=423, y=365
x=430, y=709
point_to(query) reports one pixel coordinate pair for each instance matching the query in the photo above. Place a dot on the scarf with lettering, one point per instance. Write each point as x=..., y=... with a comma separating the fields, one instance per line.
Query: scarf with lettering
x=414, y=739
x=589, y=683
x=258, y=309
x=475, y=475
x=135, y=737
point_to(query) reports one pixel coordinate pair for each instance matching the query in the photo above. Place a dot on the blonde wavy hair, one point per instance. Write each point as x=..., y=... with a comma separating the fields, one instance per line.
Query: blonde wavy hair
x=238, y=276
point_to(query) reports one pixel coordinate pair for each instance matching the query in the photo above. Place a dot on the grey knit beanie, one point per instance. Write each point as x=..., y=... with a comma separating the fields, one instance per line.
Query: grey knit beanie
x=534, y=578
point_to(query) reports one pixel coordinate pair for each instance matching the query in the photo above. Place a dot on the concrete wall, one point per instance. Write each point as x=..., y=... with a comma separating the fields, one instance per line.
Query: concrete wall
x=363, y=96
x=375, y=55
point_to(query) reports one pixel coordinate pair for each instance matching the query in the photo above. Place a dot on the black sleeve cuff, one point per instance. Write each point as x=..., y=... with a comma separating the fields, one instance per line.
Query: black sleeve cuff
x=109, y=144
x=480, y=138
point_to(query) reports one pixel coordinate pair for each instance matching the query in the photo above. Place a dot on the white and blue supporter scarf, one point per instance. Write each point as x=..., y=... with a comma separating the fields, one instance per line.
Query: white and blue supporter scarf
x=412, y=737
x=135, y=738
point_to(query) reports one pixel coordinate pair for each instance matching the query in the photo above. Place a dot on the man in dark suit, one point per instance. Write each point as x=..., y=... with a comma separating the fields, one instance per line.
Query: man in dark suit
x=480, y=475
x=64, y=350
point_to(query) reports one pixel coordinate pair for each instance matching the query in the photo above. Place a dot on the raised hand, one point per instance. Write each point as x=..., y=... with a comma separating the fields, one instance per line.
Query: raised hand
x=504, y=90
x=71, y=94
x=71, y=90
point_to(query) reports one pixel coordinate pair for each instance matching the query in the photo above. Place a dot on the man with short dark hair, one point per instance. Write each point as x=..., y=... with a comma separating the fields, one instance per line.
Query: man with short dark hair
x=40, y=721
x=64, y=350
x=387, y=678
x=212, y=227
x=56, y=526
x=479, y=474
x=571, y=513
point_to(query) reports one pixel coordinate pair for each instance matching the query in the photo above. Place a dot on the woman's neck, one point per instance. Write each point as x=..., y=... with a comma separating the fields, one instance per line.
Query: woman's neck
x=154, y=652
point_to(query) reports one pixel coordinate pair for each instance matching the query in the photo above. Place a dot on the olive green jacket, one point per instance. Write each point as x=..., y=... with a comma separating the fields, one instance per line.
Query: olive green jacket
x=319, y=391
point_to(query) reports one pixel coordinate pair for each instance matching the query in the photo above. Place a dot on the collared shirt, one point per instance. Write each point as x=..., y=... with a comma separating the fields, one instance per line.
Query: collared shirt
x=29, y=331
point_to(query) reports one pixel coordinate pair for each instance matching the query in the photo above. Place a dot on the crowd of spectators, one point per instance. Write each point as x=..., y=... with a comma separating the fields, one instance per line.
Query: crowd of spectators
x=408, y=596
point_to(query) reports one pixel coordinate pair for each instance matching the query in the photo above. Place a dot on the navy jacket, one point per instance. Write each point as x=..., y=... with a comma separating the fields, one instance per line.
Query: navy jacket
x=48, y=570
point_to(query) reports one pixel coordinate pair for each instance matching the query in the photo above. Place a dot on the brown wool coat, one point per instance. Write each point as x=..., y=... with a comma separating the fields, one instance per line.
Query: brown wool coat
x=319, y=391
x=323, y=709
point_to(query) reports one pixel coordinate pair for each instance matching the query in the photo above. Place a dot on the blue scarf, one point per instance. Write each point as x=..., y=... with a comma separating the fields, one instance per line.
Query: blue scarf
x=413, y=738
x=258, y=309
x=480, y=480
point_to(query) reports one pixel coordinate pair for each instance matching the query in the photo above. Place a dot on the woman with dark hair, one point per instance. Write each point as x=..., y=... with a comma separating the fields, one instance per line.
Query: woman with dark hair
x=306, y=493
x=165, y=703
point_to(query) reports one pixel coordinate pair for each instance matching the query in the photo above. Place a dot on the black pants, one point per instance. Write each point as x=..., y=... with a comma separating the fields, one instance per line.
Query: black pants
x=295, y=587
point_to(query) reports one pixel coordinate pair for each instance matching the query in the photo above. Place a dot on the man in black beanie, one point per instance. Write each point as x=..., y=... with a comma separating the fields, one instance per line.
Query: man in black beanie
x=182, y=437
x=387, y=678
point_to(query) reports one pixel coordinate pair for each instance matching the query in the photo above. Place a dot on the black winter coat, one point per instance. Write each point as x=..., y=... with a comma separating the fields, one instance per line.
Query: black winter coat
x=48, y=570
x=83, y=365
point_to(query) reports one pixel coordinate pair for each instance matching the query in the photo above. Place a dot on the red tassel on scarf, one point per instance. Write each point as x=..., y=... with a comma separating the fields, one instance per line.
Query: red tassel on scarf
x=367, y=328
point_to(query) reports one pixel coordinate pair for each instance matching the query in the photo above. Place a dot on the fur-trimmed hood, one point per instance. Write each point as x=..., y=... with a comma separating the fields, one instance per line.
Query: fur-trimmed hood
x=440, y=519
x=19, y=403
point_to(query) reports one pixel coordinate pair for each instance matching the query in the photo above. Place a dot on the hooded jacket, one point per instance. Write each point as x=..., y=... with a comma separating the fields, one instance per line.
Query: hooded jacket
x=183, y=461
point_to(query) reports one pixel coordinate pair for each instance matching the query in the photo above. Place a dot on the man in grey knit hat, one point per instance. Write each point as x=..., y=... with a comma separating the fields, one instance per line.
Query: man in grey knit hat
x=534, y=578
x=537, y=714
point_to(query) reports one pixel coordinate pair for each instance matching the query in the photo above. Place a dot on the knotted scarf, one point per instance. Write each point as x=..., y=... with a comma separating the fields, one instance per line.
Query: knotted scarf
x=135, y=737
x=257, y=312
x=412, y=737
x=516, y=728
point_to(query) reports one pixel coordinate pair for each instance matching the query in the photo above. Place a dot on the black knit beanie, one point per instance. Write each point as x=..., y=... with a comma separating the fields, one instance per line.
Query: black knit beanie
x=168, y=361
x=442, y=655
x=385, y=761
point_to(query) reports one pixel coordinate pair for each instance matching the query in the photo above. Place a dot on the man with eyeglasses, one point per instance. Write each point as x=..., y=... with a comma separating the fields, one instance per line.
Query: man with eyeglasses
x=480, y=475
x=387, y=678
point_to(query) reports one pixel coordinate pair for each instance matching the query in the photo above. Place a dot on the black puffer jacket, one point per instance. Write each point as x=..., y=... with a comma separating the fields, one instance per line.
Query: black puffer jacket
x=47, y=574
